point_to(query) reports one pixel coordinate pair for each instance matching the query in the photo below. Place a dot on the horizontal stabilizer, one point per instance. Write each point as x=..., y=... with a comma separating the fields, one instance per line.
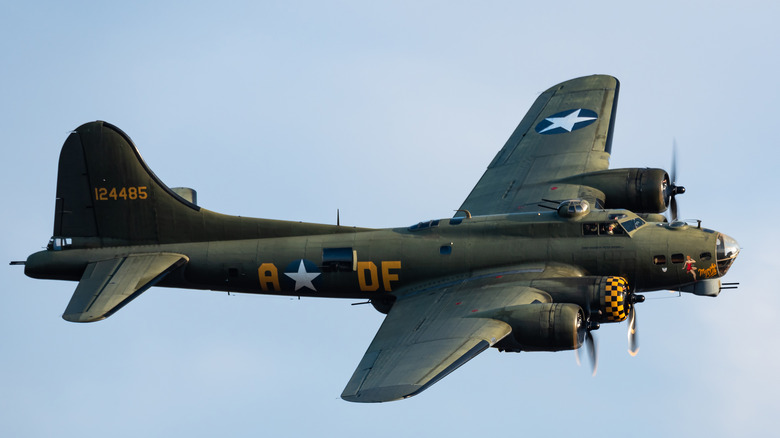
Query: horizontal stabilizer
x=108, y=285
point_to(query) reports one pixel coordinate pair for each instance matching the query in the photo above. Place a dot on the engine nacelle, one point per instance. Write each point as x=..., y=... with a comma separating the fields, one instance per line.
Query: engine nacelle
x=543, y=327
x=604, y=299
x=638, y=190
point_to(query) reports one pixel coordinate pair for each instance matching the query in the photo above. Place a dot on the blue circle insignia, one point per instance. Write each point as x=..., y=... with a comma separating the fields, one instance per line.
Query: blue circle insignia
x=566, y=121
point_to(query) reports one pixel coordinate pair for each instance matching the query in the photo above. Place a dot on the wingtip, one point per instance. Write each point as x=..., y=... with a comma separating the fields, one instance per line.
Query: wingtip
x=82, y=317
x=383, y=394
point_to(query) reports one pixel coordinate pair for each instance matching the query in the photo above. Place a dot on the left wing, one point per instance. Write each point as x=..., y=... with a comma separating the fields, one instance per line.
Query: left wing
x=567, y=132
x=432, y=330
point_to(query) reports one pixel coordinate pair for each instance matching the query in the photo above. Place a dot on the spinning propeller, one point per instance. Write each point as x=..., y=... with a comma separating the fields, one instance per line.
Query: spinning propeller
x=672, y=189
x=591, y=345
x=633, y=341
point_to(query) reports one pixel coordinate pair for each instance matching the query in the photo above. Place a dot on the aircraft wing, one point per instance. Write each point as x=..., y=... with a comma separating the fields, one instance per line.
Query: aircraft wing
x=431, y=330
x=567, y=131
x=107, y=285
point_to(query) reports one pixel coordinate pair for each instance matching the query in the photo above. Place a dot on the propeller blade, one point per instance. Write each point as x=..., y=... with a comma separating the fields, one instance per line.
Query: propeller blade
x=674, y=189
x=673, y=176
x=593, y=351
x=577, y=356
x=633, y=342
x=593, y=355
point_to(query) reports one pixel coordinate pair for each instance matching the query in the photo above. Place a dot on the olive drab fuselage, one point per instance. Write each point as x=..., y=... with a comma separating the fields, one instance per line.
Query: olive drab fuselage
x=369, y=263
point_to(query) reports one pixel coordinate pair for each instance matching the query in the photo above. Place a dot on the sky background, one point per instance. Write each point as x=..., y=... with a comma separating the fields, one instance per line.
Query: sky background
x=390, y=112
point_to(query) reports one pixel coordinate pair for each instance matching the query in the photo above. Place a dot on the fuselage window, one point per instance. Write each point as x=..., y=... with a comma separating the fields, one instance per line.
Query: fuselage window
x=590, y=229
x=659, y=259
x=339, y=260
x=678, y=258
x=59, y=243
x=705, y=256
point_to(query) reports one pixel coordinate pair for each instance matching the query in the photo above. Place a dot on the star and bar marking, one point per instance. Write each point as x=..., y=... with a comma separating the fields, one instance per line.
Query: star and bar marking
x=567, y=121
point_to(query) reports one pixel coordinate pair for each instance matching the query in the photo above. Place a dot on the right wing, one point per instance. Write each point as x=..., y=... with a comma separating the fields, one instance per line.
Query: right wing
x=108, y=285
x=433, y=329
x=567, y=131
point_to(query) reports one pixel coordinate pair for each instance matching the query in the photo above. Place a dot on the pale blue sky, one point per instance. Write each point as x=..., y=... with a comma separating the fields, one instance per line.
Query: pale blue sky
x=389, y=112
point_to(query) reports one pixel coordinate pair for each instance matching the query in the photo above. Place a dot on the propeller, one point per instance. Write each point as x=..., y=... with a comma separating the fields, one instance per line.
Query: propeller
x=633, y=341
x=591, y=346
x=672, y=189
x=593, y=351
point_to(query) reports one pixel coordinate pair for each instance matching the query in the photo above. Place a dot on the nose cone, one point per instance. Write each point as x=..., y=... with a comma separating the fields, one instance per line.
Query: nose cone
x=728, y=249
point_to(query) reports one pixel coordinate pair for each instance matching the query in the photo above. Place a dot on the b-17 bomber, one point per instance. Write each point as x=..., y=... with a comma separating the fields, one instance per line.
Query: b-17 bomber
x=549, y=245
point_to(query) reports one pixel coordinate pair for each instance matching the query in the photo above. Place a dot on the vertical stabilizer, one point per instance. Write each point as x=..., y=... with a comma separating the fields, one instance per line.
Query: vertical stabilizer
x=105, y=191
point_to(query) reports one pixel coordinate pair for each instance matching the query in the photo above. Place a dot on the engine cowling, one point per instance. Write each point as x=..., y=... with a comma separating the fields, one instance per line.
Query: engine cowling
x=635, y=189
x=604, y=299
x=544, y=327
x=613, y=300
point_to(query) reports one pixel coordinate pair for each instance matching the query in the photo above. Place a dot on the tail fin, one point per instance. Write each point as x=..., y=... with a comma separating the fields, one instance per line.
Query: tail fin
x=106, y=191
x=107, y=195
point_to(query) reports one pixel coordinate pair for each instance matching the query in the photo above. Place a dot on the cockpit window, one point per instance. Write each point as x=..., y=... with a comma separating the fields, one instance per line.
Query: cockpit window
x=632, y=224
x=604, y=229
x=609, y=229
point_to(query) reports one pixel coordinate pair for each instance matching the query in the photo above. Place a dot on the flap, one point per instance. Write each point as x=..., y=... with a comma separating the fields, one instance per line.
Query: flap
x=107, y=285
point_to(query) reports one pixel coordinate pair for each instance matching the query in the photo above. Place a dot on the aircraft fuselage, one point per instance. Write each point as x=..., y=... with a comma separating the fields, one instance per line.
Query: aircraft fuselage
x=370, y=263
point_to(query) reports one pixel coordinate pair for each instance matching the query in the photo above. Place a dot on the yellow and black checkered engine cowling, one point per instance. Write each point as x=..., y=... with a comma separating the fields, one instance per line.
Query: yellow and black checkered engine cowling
x=603, y=299
x=614, y=299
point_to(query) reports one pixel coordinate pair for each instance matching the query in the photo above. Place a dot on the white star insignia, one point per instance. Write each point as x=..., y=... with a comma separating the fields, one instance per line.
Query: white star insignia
x=303, y=278
x=566, y=122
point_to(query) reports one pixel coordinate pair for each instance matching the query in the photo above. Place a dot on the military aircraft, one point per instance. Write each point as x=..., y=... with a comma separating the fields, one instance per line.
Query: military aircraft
x=549, y=244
